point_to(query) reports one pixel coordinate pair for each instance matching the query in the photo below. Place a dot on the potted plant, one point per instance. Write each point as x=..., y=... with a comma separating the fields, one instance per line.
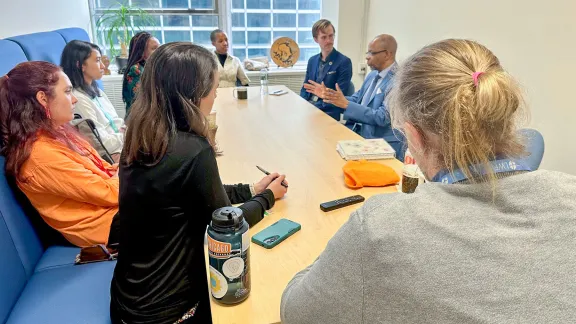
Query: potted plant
x=117, y=27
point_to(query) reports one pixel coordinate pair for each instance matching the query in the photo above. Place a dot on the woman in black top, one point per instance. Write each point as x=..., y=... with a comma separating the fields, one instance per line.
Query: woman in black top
x=169, y=187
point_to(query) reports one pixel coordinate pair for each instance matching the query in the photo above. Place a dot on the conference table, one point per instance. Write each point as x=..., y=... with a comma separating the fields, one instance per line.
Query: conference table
x=284, y=134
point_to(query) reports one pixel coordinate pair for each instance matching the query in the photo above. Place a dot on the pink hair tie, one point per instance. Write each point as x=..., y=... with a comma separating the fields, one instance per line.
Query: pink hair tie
x=475, y=77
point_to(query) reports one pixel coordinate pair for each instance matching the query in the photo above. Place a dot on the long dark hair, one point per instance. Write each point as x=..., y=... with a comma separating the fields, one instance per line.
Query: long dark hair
x=73, y=56
x=178, y=75
x=135, y=55
x=22, y=117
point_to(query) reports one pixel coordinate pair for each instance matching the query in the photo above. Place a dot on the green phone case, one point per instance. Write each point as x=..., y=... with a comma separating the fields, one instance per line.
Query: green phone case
x=276, y=233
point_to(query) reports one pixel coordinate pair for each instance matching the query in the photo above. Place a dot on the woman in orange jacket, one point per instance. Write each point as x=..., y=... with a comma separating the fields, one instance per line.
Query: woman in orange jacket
x=73, y=189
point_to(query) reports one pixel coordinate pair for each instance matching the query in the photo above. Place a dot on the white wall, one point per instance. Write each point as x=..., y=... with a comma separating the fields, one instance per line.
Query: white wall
x=19, y=17
x=346, y=16
x=535, y=41
x=351, y=33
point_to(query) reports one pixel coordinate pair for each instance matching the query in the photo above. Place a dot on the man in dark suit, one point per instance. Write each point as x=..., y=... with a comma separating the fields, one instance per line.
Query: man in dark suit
x=328, y=68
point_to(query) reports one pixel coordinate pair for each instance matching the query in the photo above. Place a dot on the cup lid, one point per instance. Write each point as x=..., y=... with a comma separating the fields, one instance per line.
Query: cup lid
x=227, y=217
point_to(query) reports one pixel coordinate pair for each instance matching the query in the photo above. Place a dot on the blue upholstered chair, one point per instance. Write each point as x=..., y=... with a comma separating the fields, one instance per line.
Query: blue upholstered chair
x=39, y=282
x=10, y=55
x=534, y=142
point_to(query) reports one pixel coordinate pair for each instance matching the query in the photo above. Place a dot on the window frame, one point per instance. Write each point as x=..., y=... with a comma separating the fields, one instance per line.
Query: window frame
x=223, y=10
x=271, y=11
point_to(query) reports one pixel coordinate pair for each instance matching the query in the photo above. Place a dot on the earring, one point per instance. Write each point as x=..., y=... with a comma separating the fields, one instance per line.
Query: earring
x=47, y=112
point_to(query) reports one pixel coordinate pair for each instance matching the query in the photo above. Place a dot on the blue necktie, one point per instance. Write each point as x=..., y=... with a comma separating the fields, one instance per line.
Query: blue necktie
x=368, y=94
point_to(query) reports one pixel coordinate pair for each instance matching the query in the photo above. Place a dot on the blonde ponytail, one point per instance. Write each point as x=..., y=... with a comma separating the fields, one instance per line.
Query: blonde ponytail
x=457, y=91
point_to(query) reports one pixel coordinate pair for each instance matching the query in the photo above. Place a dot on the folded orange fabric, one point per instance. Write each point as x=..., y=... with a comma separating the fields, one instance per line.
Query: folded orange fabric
x=358, y=174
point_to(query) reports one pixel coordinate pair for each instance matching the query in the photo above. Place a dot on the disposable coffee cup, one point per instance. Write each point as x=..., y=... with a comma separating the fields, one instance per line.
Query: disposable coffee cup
x=410, y=178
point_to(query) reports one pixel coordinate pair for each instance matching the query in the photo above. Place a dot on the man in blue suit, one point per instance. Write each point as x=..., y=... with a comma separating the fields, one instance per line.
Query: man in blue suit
x=328, y=68
x=365, y=111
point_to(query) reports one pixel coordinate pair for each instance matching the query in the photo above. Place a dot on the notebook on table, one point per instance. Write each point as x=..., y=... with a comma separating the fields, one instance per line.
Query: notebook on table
x=367, y=149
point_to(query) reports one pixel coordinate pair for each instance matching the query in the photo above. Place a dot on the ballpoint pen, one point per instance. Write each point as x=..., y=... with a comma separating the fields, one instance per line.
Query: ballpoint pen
x=268, y=173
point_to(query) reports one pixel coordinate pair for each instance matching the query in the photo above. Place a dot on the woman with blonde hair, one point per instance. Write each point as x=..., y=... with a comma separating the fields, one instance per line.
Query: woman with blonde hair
x=486, y=240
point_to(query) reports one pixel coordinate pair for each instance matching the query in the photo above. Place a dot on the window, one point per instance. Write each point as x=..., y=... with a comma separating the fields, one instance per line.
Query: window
x=169, y=20
x=257, y=23
x=253, y=24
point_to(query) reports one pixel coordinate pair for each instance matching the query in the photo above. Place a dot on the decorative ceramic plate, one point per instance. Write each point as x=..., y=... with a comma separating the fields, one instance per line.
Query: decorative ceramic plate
x=285, y=52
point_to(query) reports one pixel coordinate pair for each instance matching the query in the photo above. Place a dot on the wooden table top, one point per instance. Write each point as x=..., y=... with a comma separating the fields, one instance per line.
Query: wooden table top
x=284, y=134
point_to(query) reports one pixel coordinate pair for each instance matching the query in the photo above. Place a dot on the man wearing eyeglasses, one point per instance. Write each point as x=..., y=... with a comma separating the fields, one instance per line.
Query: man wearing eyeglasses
x=328, y=68
x=365, y=111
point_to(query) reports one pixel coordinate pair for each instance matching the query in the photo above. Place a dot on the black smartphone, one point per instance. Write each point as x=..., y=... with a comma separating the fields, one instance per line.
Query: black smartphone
x=95, y=253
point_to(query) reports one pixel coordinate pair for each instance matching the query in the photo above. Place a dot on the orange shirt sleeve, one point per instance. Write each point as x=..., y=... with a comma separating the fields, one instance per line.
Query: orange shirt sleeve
x=68, y=178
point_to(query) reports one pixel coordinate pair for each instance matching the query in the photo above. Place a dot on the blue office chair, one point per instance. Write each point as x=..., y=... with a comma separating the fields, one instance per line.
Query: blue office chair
x=350, y=90
x=534, y=146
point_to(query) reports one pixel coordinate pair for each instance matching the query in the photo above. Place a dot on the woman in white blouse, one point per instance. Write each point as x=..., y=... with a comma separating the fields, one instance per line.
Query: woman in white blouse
x=81, y=62
x=229, y=67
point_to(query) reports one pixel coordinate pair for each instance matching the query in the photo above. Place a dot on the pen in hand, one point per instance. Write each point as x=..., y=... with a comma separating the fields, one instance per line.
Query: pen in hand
x=268, y=173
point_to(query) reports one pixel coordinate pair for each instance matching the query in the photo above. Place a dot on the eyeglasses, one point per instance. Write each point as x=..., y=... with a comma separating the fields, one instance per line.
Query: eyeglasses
x=374, y=53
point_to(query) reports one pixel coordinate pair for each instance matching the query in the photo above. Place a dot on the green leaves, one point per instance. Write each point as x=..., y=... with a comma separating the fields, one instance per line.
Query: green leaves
x=118, y=24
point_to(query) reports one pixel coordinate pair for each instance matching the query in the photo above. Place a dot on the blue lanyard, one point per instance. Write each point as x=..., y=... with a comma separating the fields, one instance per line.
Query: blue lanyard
x=110, y=120
x=499, y=166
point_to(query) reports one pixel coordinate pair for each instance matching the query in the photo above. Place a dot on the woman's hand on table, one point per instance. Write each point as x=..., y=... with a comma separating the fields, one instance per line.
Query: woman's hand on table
x=273, y=182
